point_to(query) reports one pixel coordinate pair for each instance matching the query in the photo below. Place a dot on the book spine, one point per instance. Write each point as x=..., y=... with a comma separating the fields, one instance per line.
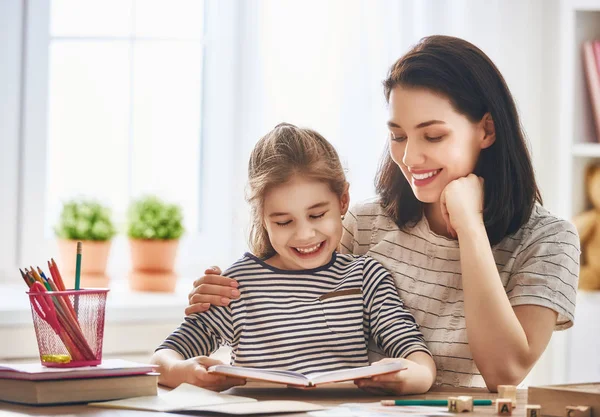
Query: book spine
x=591, y=63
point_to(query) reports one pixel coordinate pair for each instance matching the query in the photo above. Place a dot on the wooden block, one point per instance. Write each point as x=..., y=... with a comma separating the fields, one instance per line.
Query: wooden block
x=533, y=410
x=453, y=404
x=464, y=403
x=555, y=398
x=508, y=391
x=504, y=407
x=578, y=411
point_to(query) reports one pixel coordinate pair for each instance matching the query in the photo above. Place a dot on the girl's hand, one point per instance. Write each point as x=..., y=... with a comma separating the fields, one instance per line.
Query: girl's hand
x=417, y=378
x=195, y=371
x=462, y=204
x=211, y=289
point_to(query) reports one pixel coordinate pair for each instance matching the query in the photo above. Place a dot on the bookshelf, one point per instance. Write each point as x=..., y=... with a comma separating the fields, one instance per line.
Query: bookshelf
x=576, y=148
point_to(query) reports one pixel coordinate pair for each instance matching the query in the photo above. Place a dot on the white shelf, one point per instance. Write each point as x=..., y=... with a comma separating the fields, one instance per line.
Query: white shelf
x=579, y=22
x=586, y=150
x=586, y=5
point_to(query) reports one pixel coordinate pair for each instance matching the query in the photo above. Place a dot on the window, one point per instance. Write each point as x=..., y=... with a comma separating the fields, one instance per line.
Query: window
x=113, y=105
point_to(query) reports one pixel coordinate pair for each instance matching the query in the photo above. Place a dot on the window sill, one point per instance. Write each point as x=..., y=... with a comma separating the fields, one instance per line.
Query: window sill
x=123, y=305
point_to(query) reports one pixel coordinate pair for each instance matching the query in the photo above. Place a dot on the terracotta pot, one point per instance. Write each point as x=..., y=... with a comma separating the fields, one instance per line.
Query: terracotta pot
x=94, y=258
x=153, y=255
x=152, y=281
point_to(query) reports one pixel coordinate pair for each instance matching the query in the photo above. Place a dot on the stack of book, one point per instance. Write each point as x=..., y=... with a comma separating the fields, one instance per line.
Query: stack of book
x=591, y=64
x=114, y=379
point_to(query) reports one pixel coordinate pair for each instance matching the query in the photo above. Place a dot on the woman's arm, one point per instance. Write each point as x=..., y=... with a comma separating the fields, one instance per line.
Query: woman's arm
x=211, y=289
x=505, y=342
x=214, y=289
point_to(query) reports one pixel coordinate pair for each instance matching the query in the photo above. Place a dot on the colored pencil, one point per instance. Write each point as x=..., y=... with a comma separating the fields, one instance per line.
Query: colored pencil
x=71, y=333
x=430, y=402
x=56, y=274
x=25, y=278
x=78, y=265
x=78, y=275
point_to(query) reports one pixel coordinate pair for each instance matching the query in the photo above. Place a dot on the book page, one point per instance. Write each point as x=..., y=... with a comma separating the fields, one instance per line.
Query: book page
x=261, y=408
x=269, y=375
x=356, y=373
x=183, y=397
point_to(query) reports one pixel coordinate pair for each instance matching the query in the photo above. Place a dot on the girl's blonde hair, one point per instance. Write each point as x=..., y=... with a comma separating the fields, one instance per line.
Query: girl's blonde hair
x=279, y=155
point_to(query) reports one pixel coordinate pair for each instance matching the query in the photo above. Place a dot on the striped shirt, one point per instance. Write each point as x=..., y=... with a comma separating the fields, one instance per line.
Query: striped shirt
x=539, y=265
x=305, y=321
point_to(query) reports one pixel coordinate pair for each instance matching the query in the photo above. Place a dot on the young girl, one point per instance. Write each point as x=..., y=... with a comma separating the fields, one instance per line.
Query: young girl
x=303, y=307
x=487, y=271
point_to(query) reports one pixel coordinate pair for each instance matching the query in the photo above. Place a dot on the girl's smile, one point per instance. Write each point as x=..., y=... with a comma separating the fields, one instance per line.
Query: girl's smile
x=303, y=220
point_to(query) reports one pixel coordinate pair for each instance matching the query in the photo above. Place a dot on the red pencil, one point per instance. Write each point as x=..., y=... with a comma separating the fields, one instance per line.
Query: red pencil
x=56, y=275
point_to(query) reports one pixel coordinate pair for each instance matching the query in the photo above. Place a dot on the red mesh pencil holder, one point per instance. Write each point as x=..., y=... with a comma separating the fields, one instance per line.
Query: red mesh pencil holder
x=69, y=326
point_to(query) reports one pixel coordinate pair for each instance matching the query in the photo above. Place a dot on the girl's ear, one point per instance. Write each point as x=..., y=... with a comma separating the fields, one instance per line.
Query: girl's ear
x=345, y=200
x=489, y=131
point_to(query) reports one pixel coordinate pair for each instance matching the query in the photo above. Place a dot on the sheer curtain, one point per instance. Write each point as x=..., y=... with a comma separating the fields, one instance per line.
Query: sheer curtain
x=320, y=65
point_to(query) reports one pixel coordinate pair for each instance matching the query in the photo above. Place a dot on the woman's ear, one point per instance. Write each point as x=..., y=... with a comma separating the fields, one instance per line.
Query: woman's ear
x=345, y=200
x=489, y=131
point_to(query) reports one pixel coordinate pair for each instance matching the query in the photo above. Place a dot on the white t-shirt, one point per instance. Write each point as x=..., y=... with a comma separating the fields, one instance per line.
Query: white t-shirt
x=538, y=265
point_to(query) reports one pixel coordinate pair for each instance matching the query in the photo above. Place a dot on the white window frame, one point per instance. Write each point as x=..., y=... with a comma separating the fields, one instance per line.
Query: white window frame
x=23, y=155
x=11, y=35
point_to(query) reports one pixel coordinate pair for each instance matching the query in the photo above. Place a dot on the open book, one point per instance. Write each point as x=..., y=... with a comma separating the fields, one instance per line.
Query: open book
x=190, y=399
x=300, y=380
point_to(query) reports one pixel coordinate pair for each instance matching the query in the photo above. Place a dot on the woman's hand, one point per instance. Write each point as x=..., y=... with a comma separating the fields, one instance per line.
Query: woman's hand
x=417, y=378
x=462, y=204
x=195, y=371
x=211, y=289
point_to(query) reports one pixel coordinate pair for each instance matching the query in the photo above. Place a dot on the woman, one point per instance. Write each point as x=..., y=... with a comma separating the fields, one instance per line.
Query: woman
x=487, y=272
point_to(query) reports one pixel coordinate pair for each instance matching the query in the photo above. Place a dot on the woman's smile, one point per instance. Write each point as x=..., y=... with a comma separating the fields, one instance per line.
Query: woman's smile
x=421, y=178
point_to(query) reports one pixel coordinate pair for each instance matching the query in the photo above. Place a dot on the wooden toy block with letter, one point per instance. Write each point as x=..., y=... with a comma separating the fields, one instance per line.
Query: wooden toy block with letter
x=578, y=411
x=555, y=399
x=464, y=403
x=504, y=407
x=533, y=410
x=453, y=404
x=508, y=391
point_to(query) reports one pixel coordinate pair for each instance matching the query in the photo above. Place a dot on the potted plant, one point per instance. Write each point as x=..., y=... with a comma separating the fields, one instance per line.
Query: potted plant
x=154, y=228
x=90, y=222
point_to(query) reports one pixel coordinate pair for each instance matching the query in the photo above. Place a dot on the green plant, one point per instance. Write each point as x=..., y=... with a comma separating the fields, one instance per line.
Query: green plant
x=85, y=219
x=151, y=218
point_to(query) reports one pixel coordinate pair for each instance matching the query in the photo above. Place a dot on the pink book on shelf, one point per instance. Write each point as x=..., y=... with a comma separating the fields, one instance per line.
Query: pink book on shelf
x=591, y=63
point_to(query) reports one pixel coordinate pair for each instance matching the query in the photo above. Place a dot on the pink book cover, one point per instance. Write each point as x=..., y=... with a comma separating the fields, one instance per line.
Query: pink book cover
x=109, y=367
x=591, y=63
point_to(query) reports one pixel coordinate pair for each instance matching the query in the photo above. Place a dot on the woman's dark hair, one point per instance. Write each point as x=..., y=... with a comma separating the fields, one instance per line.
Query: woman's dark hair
x=461, y=72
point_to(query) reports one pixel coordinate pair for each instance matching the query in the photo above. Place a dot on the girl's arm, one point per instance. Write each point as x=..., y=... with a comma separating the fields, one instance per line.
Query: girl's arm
x=505, y=342
x=175, y=370
x=395, y=331
x=417, y=378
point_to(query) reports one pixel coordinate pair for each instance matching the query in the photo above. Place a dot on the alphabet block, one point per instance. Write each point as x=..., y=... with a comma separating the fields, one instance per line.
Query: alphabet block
x=533, y=410
x=504, y=407
x=578, y=411
x=464, y=403
x=508, y=391
x=453, y=404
